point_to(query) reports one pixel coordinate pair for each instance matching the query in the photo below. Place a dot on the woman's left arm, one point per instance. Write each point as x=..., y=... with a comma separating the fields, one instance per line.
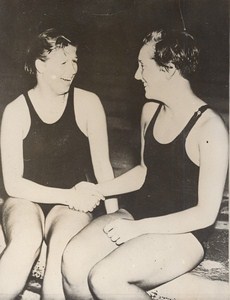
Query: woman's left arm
x=96, y=128
x=212, y=143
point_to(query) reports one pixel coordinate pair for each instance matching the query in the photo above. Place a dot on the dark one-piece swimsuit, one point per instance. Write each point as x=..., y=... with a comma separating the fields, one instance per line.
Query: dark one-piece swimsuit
x=171, y=183
x=58, y=154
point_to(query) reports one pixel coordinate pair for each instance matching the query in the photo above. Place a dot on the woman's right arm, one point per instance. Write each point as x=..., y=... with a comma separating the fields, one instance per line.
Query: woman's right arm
x=14, y=128
x=134, y=178
x=127, y=182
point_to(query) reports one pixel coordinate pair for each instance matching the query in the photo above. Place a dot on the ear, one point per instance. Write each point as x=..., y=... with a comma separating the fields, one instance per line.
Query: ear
x=170, y=71
x=40, y=65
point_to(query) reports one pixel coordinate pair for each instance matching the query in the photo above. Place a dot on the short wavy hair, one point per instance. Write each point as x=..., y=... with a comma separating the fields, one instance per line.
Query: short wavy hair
x=42, y=45
x=176, y=47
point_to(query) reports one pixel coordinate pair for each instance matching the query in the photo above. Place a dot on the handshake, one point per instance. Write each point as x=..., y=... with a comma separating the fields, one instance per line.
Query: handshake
x=84, y=197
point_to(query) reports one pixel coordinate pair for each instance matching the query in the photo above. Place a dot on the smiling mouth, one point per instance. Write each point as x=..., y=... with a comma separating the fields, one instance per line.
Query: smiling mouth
x=66, y=79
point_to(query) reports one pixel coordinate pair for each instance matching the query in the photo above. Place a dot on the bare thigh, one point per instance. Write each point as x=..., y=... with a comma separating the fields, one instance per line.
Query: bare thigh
x=21, y=217
x=64, y=222
x=147, y=261
x=90, y=245
x=151, y=259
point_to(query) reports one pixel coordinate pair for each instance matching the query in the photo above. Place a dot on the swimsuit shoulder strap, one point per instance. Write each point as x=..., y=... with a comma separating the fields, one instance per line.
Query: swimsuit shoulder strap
x=194, y=119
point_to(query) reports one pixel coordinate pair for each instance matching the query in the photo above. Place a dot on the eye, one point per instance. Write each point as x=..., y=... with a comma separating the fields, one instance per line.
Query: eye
x=142, y=66
x=63, y=63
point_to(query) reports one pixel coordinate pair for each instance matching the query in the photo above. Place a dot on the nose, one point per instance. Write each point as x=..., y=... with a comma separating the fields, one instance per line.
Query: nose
x=72, y=68
x=138, y=75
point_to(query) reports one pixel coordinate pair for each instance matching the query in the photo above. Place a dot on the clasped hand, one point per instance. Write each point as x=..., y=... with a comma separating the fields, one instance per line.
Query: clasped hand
x=84, y=197
x=122, y=230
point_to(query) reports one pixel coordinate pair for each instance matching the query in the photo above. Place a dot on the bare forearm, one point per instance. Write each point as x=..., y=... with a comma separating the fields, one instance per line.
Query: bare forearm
x=176, y=223
x=128, y=182
x=111, y=205
x=106, y=174
x=26, y=189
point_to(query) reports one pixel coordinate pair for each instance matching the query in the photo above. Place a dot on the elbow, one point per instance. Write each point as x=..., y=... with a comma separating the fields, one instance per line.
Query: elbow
x=203, y=224
x=207, y=219
x=12, y=188
x=211, y=220
x=139, y=185
x=208, y=223
x=143, y=175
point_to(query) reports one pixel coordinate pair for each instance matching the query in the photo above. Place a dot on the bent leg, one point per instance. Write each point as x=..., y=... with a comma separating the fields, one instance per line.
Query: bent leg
x=83, y=252
x=191, y=286
x=61, y=225
x=142, y=264
x=23, y=228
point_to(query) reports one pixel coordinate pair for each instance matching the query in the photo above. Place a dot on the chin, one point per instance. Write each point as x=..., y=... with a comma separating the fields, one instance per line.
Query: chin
x=62, y=90
x=153, y=96
x=148, y=95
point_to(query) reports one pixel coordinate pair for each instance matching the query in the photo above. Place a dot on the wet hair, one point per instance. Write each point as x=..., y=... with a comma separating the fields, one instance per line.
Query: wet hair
x=176, y=47
x=42, y=45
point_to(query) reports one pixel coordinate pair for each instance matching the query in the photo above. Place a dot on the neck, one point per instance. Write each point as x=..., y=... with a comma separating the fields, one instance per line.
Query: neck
x=180, y=98
x=48, y=95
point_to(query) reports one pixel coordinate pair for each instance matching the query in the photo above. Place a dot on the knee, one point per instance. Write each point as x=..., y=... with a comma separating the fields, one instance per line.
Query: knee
x=102, y=281
x=26, y=243
x=67, y=266
x=74, y=264
x=56, y=242
x=75, y=269
x=60, y=226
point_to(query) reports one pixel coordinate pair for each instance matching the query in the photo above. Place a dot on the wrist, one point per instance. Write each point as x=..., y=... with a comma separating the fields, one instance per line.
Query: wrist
x=69, y=196
x=100, y=188
x=111, y=205
x=111, y=210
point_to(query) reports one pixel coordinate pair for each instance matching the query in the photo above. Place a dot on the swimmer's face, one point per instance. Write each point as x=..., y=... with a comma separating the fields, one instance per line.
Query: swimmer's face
x=150, y=73
x=60, y=68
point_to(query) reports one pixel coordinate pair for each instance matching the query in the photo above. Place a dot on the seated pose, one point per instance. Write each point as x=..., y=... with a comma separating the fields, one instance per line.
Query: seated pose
x=179, y=186
x=51, y=137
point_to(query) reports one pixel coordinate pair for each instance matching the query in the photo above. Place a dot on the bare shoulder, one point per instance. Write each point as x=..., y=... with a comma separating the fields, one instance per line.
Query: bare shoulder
x=213, y=124
x=212, y=128
x=16, y=118
x=86, y=99
x=88, y=110
x=16, y=110
x=148, y=111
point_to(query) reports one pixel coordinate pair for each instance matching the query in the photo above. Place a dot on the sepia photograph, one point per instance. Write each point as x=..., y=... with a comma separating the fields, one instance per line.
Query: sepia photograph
x=114, y=137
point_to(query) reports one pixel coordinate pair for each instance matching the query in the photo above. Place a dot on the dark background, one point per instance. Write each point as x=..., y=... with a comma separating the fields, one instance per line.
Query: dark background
x=110, y=32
